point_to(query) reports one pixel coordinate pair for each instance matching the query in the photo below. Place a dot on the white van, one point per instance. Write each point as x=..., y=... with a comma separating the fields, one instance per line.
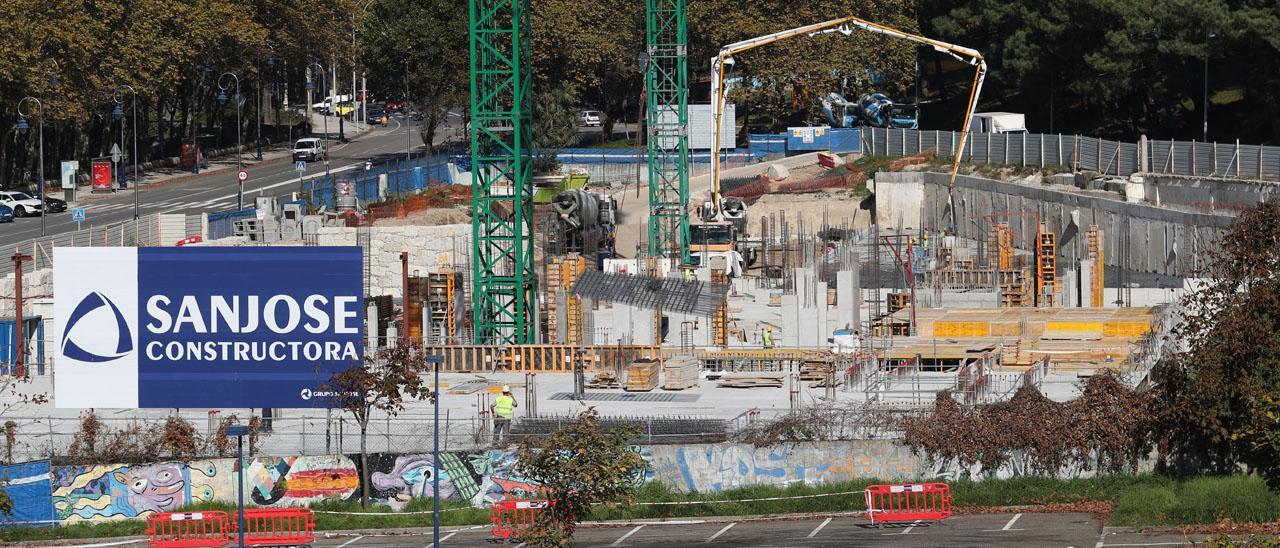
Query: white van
x=998, y=122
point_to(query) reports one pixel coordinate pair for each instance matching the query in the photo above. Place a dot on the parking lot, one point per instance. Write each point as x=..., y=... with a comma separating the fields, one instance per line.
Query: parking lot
x=995, y=530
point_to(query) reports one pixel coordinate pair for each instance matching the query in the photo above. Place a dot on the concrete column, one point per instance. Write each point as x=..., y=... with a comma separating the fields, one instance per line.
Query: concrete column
x=849, y=297
x=382, y=185
x=371, y=329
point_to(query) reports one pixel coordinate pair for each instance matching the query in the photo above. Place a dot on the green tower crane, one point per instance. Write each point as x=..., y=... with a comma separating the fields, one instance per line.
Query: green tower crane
x=667, y=102
x=501, y=133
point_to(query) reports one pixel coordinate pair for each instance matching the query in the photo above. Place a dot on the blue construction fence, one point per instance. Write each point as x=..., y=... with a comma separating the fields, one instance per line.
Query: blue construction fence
x=403, y=177
x=798, y=140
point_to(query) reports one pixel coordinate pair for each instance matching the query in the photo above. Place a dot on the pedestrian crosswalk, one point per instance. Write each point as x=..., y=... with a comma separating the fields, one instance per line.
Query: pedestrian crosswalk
x=165, y=206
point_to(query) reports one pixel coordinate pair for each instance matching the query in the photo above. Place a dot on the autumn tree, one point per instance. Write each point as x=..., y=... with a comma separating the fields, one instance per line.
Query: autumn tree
x=578, y=467
x=380, y=385
x=1221, y=389
x=418, y=51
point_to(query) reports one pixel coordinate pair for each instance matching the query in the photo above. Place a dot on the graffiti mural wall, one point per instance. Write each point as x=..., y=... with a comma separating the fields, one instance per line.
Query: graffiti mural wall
x=81, y=493
x=714, y=468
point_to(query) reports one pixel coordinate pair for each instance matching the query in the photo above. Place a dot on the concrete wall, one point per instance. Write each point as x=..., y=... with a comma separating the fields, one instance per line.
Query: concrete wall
x=1161, y=240
x=429, y=247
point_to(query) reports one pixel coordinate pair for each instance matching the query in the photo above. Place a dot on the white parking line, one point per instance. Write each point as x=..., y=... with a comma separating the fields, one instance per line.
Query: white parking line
x=721, y=532
x=1148, y=544
x=815, y=530
x=623, y=537
x=350, y=541
x=442, y=539
x=904, y=531
x=1011, y=522
x=105, y=544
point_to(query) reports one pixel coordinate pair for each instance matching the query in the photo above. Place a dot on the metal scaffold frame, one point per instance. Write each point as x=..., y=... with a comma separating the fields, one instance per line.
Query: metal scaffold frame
x=667, y=101
x=502, y=187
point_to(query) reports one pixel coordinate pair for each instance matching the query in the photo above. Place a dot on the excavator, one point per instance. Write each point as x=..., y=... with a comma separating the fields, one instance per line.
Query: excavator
x=708, y=233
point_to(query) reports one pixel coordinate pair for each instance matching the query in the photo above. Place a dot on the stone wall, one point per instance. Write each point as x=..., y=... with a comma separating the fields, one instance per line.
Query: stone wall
x=429, y=247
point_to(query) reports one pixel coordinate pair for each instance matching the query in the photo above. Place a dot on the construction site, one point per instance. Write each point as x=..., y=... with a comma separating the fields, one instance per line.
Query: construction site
x=709, y=297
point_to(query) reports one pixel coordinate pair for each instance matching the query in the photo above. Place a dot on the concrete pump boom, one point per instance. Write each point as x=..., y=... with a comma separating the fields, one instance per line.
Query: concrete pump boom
x=846, y=26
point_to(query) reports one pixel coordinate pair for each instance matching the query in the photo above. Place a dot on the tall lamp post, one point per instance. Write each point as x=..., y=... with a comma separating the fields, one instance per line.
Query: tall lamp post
x=119, y=113
x=332, y=106
x=222, y=98
x=23, y=125
x=1204, y=106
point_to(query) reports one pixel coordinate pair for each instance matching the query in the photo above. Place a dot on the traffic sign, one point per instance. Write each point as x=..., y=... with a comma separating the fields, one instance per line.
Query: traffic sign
x=116, y=154
x=77, y=214
x=243, y=175
x=300, y=165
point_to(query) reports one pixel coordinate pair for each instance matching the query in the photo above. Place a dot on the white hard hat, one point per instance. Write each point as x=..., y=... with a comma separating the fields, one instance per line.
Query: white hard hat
x=506, y=388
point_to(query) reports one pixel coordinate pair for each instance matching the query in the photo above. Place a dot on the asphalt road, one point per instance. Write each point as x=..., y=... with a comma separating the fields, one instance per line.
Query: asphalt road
x=984, y=531
x=216, y=191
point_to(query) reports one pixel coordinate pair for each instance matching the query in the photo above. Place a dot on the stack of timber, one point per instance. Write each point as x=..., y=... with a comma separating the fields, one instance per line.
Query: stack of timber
x=606, y=379
x=642, y=376
x=681, y=372
x=757, y=380
x=813, y=371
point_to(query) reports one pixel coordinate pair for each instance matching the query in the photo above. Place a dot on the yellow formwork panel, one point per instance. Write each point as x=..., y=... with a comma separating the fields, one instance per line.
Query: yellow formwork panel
x=961, y=329
x=1126, y=328
x=1074, y=327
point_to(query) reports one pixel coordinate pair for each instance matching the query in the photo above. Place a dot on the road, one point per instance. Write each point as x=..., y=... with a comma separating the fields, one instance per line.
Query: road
x=981, y=531
x=216, y=191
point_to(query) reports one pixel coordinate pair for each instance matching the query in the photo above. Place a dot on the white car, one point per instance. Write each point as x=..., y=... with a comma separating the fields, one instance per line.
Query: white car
x=309, y=149
x=22, y=203
x=589, y=118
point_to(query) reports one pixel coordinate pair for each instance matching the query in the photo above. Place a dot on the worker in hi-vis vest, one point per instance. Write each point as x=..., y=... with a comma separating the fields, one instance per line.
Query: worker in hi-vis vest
x=768, y=336
x=504, y=409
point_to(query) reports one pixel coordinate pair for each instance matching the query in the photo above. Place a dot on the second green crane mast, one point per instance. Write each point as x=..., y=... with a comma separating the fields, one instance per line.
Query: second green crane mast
x=667, y=104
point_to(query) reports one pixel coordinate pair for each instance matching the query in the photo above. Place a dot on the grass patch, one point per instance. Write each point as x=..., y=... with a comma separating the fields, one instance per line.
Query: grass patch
x=1141, y=500
x=872, y=164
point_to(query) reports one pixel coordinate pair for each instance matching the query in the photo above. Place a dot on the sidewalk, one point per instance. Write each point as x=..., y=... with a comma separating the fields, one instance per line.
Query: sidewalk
x=224, y=165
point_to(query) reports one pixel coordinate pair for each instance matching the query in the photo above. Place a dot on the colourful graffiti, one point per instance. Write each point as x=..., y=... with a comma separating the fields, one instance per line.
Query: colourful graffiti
x=719, y=467
x=124, y=491
x=295, y=481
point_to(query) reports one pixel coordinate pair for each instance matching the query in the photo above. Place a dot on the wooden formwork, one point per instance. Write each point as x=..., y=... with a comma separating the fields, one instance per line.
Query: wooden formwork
x=540, y=358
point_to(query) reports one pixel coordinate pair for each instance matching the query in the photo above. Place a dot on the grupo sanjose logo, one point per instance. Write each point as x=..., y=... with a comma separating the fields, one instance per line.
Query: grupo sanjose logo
x=94, y=324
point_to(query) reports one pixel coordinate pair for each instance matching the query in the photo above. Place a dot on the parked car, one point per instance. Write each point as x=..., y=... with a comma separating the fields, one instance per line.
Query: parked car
x=589, y=118
x=393, y=106
x=376, y=116
x=54, y=205
x=309, y=149
x=6, y=214
x=22, y=203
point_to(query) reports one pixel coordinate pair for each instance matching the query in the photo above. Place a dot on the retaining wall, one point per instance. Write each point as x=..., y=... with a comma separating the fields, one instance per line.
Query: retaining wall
x=1160, y=239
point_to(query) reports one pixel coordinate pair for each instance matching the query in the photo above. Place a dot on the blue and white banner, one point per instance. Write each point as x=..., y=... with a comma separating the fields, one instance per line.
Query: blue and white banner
x=204, y=326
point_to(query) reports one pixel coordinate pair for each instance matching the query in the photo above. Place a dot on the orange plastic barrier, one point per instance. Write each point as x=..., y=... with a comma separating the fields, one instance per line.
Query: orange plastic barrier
x=187, y=530
x=275, y=527
x=911, y=502
x=511, y=518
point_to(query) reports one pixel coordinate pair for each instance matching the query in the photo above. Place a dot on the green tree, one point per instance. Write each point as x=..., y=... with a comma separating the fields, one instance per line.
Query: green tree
x=418, y=50
x=577, y=467
x=554, y=127
x=379, y=386
x=1220, y=404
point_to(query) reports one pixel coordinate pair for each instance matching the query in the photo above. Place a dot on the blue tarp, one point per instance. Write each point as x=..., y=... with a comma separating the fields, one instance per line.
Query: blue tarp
x=762, y=144
x=29, y=486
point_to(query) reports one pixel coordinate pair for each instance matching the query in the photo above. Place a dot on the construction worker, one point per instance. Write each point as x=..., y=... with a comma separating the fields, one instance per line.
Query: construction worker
x=768, y=336
x=504, y=409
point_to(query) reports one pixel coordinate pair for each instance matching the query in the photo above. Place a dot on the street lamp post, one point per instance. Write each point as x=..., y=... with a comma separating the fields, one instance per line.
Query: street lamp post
x=22, y=124
x=119, y=113
x=1204, y=106
x=222, y=98
x=325, y=116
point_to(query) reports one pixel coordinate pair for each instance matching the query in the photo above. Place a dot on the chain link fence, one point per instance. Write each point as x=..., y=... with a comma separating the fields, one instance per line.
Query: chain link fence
x=1084, y=153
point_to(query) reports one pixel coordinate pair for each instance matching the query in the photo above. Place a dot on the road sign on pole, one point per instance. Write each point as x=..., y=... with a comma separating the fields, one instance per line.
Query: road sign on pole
x=116, y=154
x=77, y=214
x=300, y=165
x=242, y=175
